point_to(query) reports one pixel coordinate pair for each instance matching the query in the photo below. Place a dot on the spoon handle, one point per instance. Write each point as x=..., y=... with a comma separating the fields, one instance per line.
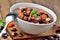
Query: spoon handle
x=4, y=29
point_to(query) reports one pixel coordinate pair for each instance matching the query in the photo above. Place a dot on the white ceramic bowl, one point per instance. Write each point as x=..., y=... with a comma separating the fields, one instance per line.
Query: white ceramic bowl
x=32, y=28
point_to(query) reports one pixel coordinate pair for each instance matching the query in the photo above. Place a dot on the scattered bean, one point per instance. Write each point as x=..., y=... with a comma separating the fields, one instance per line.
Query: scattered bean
x=4, y=35
x=51, y=38
x=14, y=34
x=25, y=18
x=20, y=35
x=13, y=29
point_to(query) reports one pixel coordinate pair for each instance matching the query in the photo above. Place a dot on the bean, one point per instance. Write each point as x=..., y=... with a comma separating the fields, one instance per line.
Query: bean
x=25, y=18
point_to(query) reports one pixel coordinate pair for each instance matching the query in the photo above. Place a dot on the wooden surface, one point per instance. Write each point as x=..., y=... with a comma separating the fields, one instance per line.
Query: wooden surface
x=52, y=4
x=26, y=36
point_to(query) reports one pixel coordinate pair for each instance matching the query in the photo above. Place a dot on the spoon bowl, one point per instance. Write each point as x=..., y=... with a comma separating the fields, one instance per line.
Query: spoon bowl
x=10, y=17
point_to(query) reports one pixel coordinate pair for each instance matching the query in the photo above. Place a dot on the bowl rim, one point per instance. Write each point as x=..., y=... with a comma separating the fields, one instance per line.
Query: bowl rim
x=31, y=22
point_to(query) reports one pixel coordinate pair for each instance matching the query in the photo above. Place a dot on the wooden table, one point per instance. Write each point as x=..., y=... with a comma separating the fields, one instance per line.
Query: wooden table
x=52, y=4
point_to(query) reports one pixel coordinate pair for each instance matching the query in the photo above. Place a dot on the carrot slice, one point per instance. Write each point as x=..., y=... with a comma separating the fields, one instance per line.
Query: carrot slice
x=33, y=18
x=44, y=16
x=20, y=14
x=10, y=24
x=28, y=11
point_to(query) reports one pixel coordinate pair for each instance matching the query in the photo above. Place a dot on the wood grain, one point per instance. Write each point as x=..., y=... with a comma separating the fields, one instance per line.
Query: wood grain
x=11, y=2
x=50, y=32
x=4, y=7
x=0, y=13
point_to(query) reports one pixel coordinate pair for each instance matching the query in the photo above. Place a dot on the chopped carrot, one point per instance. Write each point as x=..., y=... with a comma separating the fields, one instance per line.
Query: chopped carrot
x=44, y=16
x=10, y=24
x=20, y=14
x=33, y=18
x=28, y=11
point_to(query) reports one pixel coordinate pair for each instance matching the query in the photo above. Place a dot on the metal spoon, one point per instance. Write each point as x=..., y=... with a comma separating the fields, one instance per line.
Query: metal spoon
x=10, y=17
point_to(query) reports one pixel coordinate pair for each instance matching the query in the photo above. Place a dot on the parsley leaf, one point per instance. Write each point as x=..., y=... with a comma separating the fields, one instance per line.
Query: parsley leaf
x=34, y=13
x=2, y=22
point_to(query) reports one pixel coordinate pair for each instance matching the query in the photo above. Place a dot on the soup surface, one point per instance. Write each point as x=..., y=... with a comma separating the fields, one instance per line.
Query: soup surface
x=33, y=15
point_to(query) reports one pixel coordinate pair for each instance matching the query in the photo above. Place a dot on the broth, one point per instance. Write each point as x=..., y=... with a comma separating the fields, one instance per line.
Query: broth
x=33, y=15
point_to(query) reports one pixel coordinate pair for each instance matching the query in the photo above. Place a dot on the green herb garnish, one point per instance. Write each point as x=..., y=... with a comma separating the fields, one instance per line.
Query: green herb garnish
x=34, y=13
x=2, y=22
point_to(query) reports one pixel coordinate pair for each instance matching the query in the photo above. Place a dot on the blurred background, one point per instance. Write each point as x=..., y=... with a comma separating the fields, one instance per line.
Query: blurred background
x=52, y=4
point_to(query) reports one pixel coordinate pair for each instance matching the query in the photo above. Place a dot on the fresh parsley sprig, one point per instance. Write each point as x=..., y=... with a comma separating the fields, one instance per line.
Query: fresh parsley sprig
x=34, y=13
x=2, y=22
